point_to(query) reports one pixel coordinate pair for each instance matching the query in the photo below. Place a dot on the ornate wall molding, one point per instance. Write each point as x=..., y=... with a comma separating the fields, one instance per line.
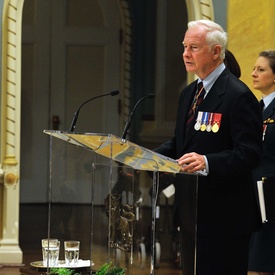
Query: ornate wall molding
x=11, y=81
x=200, y=9
x=126, y=58
x=10, y=131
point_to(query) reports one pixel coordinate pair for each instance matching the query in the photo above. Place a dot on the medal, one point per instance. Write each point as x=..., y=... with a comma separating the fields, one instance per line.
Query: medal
x=264, y=130
x=269, y=121
x=216, y=122
x=204, y=121
x=197, y=125
x=203, y=127
x=215, y=127
x=209, y=125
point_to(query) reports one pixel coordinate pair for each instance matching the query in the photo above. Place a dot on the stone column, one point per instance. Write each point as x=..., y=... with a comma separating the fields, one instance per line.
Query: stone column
x=10, y=252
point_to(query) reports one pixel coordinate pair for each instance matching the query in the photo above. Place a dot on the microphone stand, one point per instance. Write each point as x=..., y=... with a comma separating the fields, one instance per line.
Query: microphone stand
x=73, y=124
x=128, y=124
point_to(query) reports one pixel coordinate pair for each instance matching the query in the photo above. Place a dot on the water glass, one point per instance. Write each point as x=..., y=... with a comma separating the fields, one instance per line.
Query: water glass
x=50, y=252
x=71, y=252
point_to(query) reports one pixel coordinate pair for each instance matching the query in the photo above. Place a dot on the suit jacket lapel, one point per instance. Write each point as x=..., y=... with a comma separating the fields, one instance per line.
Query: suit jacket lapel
x=214, y=96
x=269, y=111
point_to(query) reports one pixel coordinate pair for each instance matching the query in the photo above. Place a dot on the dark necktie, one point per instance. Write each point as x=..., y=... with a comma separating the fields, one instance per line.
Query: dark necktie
x=197, y=101
x=262, y=104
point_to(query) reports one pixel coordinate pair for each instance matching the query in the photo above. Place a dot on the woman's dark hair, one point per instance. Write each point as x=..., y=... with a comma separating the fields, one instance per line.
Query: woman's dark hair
x=270, y=55
x=232, y=64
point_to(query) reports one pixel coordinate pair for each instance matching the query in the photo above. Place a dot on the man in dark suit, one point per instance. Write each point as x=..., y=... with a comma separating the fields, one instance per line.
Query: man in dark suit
x=218, y=132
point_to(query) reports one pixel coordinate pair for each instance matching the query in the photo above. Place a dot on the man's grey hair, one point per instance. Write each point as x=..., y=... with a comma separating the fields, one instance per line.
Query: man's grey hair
x=215, y=34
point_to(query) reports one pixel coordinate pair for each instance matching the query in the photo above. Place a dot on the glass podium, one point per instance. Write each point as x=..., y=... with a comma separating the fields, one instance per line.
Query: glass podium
x=103, y=192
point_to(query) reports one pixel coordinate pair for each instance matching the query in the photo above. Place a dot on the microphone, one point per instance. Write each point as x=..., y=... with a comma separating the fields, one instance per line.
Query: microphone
x=77, y=112
x=127, y=126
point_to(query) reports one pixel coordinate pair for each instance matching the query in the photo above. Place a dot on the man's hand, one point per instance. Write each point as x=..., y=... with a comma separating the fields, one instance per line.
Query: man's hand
x=192, y=162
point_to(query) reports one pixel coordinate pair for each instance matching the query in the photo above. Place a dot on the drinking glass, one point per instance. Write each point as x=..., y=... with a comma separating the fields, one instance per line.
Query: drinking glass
x=71, y=252
x=50, y=252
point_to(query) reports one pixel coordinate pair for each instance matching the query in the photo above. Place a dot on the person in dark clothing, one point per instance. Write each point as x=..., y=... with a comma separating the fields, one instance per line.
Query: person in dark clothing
x=218, y=134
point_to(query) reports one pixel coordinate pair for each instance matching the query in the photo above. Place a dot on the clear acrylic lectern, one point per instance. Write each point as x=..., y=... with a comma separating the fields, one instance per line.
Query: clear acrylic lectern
x=100, y=180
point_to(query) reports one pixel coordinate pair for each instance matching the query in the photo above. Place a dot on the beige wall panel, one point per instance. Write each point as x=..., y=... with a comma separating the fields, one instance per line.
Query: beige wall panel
x=250, y=29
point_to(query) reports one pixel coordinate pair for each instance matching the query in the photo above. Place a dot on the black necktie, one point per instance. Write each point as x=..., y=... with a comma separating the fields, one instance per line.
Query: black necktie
x=197, y=101
x=262, y=104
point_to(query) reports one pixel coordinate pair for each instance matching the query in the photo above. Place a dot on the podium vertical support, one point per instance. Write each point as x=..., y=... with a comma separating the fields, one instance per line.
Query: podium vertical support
x=153, y=223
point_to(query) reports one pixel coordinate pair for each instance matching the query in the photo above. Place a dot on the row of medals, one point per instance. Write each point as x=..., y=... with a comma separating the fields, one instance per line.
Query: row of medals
x=206, y=125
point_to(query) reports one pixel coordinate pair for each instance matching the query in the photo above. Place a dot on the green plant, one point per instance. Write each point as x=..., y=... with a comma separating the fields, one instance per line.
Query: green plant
x=106, y=269
x=62, y=271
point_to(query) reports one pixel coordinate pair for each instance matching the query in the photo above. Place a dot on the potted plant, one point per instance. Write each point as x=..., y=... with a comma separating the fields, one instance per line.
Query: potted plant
x=62, y=271
x=106, y=269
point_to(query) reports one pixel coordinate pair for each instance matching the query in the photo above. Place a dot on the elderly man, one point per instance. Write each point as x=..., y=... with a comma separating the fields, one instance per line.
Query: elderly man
x=218, y=132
